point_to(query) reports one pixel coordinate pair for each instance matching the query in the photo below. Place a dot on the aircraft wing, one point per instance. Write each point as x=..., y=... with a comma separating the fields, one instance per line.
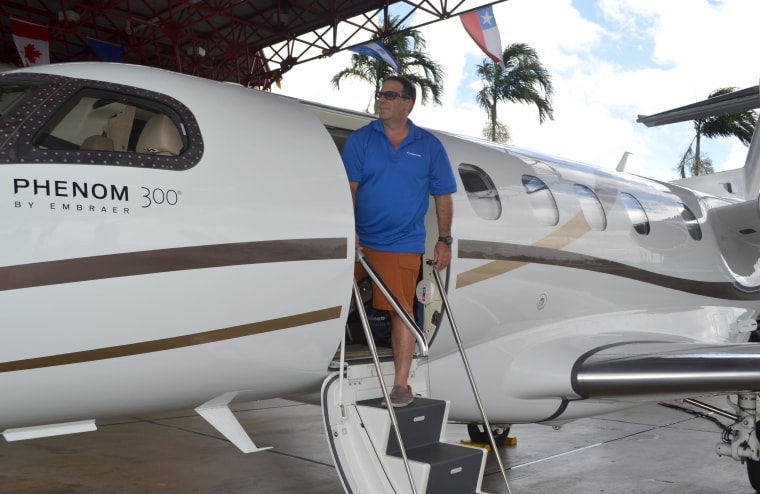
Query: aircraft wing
x=666, y=369
x=735, y=102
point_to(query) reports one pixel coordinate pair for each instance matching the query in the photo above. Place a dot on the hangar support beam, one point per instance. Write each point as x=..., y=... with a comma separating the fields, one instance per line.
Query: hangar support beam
x=251, y=42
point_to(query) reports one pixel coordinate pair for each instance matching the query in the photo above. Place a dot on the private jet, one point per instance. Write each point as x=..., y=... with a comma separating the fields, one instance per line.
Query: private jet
x=171, y=242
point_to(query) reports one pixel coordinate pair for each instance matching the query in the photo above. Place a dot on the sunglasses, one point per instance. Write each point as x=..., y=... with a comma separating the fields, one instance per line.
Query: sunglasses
x=390, y=95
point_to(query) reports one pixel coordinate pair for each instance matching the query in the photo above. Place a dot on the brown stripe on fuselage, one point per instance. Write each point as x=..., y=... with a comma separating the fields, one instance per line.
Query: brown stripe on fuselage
x=167, y=260
x=570, y=231
x=506, y=257
x=175, y=342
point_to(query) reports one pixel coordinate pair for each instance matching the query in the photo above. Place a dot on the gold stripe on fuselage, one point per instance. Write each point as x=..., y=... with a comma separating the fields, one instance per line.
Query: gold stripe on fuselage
x=189, y=340
x=570, y=231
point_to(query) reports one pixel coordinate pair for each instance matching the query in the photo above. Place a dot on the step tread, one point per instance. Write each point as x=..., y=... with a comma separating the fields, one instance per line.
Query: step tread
x=440, y=452
x=420, y=424
x=418, y=403
x=454, y=469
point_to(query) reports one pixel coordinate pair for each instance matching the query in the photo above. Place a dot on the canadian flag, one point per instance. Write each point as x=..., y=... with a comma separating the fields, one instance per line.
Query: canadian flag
x=32, y=42
x=481, y=26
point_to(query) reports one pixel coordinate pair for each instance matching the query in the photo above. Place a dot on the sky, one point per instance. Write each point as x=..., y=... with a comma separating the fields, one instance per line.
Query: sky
x=610, y=61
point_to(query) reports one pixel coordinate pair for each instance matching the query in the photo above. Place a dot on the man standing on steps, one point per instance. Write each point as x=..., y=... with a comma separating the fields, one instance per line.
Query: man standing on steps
x=392, y=167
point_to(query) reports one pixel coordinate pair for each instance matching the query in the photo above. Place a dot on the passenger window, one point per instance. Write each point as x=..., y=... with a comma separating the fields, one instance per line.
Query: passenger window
x=481, y=192
x=96, y=120
x=692, y=225
x=541, y=200
x=591, y=207
x=636, y=213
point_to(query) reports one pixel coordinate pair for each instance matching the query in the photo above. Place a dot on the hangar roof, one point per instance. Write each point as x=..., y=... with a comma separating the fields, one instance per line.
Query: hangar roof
x=246, y=41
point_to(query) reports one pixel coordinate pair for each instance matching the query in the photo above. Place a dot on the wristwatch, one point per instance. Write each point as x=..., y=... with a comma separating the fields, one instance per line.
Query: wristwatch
x=446, y=240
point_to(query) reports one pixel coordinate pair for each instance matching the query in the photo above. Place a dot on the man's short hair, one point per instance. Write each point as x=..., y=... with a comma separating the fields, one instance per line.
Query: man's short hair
x=409, y=88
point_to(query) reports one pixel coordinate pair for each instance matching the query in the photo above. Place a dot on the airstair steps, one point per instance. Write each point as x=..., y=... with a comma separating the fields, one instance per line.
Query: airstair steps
x=437, y=467
x=363, y=442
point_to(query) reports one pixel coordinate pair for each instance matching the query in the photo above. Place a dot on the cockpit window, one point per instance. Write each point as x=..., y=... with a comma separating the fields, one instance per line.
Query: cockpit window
x=95, y=120
x=63, y=120
x=481, y=192
x=541, y=200
x=12, y=94
x=636, y=213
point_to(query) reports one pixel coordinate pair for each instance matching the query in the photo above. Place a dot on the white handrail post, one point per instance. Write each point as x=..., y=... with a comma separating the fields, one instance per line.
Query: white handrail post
x=376, y=361
x=474, y=387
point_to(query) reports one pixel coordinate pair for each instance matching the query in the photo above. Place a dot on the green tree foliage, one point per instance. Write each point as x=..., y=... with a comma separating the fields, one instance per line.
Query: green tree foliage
x=523, y=80
x=408, y=48
x=740, y=125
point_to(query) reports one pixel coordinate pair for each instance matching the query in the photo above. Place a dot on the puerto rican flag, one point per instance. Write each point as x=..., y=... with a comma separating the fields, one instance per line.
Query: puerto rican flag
x=32, y=42
x=481, y=26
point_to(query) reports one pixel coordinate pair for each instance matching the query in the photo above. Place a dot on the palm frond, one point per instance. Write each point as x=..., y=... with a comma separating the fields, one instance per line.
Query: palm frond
x=523, y=80
x=408, y=48
x=740, y=125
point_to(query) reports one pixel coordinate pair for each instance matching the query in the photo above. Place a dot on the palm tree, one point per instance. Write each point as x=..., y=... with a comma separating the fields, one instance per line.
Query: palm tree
x=408, y=48
x=740, y=125
x=523, y=80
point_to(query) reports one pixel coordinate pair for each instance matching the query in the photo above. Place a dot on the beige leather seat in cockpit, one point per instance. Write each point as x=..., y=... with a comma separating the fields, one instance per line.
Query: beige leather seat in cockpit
x=160, y=136
x=97, y=143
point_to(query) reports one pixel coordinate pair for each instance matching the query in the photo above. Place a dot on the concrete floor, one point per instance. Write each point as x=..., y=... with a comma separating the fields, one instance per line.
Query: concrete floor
x=649, y=450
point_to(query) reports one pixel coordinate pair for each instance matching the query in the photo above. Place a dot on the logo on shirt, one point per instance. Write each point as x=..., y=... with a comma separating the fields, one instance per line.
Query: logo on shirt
x=414, y=154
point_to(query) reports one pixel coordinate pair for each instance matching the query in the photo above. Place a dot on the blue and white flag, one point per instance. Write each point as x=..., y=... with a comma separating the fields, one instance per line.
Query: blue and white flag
x=110, y=52
x=377, y=49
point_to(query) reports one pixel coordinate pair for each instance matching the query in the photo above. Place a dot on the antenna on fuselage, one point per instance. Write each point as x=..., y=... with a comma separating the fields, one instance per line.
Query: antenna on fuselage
x=623, y=160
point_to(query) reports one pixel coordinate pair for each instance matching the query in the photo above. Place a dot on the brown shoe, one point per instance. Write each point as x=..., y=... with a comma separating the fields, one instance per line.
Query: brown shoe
x=400, y=396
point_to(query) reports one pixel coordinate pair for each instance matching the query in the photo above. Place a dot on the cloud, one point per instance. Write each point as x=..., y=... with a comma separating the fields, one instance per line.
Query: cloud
x=610, y=61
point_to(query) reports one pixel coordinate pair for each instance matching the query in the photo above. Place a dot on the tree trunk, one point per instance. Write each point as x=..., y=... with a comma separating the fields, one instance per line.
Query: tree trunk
x=493, y=122
x=697, y=158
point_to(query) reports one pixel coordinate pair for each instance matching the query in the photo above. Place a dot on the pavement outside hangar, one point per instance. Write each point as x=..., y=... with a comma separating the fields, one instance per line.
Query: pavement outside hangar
x=651, y=449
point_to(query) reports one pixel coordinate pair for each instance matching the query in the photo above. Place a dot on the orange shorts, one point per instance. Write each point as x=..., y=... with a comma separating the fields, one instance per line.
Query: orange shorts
x=399, y=272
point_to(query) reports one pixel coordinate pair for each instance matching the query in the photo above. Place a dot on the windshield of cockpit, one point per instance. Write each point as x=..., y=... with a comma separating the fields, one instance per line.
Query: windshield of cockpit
x=13, y=93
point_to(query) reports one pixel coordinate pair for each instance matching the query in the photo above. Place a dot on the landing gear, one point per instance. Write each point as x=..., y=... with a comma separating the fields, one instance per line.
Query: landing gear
x=740, y=440
x=742, y=443
x=753, y=474
x=478, y=434
x=753, y=471
x=754, y=336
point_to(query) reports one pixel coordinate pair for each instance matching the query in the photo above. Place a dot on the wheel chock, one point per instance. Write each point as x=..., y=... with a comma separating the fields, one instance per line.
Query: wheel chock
x=508, y=441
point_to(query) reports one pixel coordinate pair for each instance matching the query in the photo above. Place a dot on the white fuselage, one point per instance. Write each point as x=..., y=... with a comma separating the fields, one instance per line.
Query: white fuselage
x=235, y=274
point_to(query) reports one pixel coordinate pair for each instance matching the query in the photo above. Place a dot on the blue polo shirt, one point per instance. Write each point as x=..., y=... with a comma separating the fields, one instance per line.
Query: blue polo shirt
x=395, y=185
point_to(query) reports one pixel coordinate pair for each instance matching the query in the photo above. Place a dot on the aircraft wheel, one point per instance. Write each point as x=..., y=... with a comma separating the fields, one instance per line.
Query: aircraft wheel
x=478, y=434
x=753, y=471
x=754, y=336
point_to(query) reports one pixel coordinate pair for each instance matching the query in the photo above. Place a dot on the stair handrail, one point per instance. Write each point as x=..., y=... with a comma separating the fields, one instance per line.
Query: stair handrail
x=455, y=331
x=378, y=370
x=419, y=335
